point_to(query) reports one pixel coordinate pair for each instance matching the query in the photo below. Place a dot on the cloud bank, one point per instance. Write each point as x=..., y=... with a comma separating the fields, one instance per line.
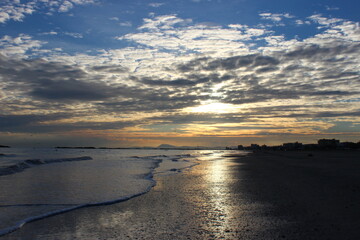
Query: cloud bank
x=181, y=79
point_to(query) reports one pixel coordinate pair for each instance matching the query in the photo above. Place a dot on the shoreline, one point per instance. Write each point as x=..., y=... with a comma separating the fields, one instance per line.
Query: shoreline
x=259, y=196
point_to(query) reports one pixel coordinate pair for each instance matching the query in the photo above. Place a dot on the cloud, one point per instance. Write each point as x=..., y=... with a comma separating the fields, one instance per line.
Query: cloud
x=275, y=17
x=302, y=22
x=311, y=51
x=156, y=5
x=318, y=18
x=11, y=122
x=51, y=123
x=65, y=6
x=16, y=11
x=126, y=24
x=49, y=33
x=175, y=34
x=269, y=82
x=71, y=90
x=332, y=8
x=110, y=68
x=163, y=22
x=55, y=81
x=20, y=46
x=74, y=35
x=58, y=83
x=230, y=63
x=188, y=80
x=242, y=61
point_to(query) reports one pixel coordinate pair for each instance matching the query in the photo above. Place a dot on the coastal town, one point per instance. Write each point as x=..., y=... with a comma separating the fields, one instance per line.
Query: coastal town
x=322, y=144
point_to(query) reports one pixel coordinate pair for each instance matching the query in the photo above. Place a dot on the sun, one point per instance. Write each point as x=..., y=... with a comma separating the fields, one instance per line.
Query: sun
x=213, y=107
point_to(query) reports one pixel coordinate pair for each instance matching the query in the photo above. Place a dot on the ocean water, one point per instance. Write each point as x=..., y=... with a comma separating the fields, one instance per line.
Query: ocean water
x=36, y=183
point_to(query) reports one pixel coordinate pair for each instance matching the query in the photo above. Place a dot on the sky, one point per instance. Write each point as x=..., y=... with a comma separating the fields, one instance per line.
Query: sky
x=126, y=73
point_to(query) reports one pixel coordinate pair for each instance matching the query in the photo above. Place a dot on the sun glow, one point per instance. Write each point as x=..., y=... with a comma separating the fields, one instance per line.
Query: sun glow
x=213, y=107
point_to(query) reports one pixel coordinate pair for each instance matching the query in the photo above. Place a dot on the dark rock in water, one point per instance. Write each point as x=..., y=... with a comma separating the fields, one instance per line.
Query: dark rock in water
x=173, y=169
x=3, y=146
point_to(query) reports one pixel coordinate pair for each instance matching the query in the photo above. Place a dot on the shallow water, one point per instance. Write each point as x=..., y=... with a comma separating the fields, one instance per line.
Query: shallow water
x=68, y=179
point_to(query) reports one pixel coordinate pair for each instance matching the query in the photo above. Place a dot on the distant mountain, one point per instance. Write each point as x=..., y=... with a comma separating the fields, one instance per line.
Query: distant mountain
x=166, y=146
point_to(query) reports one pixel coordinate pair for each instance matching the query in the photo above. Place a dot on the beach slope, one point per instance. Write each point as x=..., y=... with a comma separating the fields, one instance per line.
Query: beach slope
x=265, y=195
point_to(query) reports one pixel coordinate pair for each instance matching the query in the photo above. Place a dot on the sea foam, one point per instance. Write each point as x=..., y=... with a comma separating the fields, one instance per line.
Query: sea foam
x=57, y=181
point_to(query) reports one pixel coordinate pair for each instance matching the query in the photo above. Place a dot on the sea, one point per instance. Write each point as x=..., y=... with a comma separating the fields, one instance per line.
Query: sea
x=37, y=183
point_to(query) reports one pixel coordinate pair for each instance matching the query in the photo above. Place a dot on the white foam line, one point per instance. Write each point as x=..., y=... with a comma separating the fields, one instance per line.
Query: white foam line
x=169, y=171
x=21, y=223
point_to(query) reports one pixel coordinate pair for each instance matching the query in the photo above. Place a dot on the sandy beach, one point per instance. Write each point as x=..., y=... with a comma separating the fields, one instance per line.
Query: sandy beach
x=265, y=195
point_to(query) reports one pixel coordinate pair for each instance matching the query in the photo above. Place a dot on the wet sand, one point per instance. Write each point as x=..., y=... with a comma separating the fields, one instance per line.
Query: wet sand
x=275, y=195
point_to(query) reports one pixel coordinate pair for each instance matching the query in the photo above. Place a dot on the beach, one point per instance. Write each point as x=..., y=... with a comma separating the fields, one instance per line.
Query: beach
x=264, y=195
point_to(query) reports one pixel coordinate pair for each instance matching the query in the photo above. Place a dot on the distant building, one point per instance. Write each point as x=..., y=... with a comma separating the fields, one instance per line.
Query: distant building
x=240, y=147
x=264, y=147
x=349, y=145
x=328, y=143
x=292, y=146
x=254, y=146
x=310, y=146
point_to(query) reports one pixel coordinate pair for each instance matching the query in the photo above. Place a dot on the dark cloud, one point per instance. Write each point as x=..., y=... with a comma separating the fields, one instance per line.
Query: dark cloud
x=36, y=70
x=252, y=115
x=295, y=67
x=188, y=80
x=150, y=100
x=174, y=83
x=230, y=63
x=110, y=68
x=266, y=69
x=315, y=51
x=35, y=124
x=329, y=114
x=207, y=118
x=12, y=121
x=299, y=111
x=53, y=81
x=341, y=75
x=30, y=123
x=192, y=65
x=261, y=94
x=236, y=62
x=72, y=90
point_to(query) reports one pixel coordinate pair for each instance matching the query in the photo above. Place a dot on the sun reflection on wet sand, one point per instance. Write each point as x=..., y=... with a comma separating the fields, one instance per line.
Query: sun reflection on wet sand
x=218, y=192
x=220, y=212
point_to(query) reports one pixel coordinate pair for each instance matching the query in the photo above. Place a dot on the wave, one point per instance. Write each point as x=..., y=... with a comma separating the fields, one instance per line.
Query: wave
x=7, y=155
x=173, y=164
x=72, y=207
x=29, y=163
